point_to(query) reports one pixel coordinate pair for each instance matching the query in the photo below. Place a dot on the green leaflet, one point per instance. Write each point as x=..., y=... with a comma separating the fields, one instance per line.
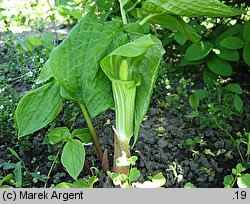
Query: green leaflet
x=144, y=55
x=75, y=63
x=191, y=8
x=73, y=157
x=59, y=134
x=38, y=108
x=176, y=23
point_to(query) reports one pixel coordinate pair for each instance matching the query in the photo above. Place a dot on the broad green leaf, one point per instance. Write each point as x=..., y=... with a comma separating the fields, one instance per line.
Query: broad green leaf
x=194, y=101
x=83, y=184
x=180, y=38
x=232, y=42
x=201, y=93
x=228, y=179
x=158, y=180
x=79, y=183
x=238, y=103
x=198, y=51
x=38, y=108
x=36, y=41
x=73, y=157
x=47, y=41
x=7, y=178
x=243, y=181
x=133, y=28
x=246, y=54
x=134, y=174
x=64, y=185
x=191, y=8
x=189, y=185
x=231, y=31
x=246, y=31
x=209, y=77
x=235, y=88
x=45, y=75
x=75, y=62
x=219, y=66
x=176, y=23
x=59, y=134
x=227, y=54
x=18, y=175
x=82, y=134
x=65, y=95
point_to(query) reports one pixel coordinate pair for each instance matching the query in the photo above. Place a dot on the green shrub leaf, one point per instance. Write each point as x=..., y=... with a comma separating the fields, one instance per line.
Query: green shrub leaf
x=246, y=32
x=199, y=51
x=180, y=38
x=219, y=66
x=194, y=101
x=227, y=54
x=82, y=134
x=38, y=108
x=234, y=88
x=209, y=77
x=191, y=8
x=59, y=134
x=232, y=43
x=201, y=93
x=73, y=157
x=246, y=54
x=134, y=174
x=238, y=103
x=176, y=23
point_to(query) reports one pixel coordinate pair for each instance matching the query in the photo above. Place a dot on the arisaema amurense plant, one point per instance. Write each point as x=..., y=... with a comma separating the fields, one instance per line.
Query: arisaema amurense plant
x=109, y=63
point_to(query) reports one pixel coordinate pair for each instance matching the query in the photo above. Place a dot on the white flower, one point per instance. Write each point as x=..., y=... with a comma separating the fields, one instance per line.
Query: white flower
x=41, y=60
x=1, y=107
x=30, y=73
x=2, y=90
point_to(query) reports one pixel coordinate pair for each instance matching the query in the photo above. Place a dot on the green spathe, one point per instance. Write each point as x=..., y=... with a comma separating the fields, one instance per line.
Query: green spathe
x=142, y=57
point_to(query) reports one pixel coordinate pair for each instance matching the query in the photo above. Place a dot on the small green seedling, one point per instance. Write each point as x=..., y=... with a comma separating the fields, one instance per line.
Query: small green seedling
x=130, y=180
x=243, y=179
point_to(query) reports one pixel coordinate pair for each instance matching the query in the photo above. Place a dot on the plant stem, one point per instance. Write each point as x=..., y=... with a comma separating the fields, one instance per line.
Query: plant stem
x=147, y=18
x=92, y=132
x=224, y=130
x=123, y=13
x=52, y=166
x=235, y=178
x=240, y=153
x=119, y=147
x=238, y=148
